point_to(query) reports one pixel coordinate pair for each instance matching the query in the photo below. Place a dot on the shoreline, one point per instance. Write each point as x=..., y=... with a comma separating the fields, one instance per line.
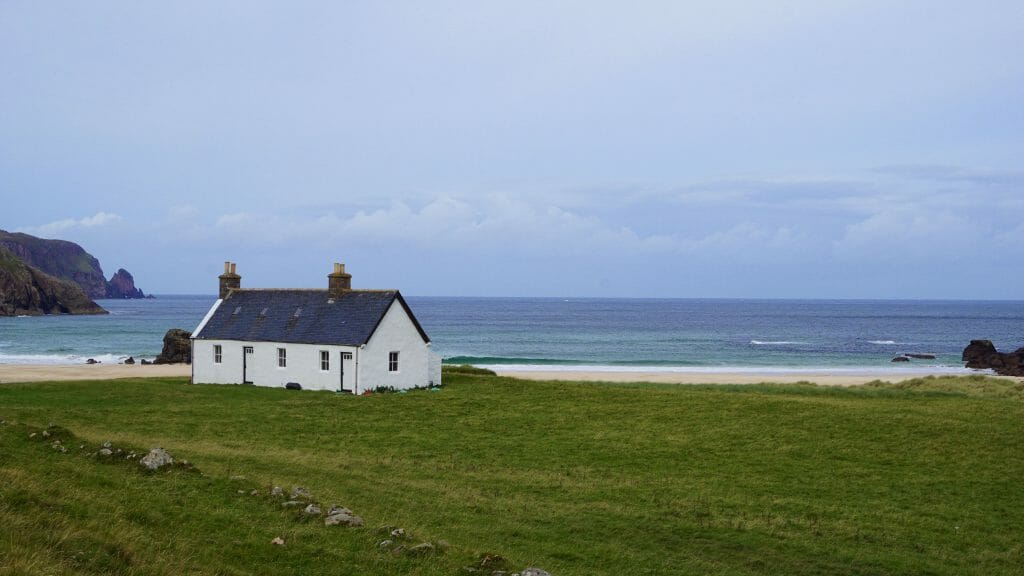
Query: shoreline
x=14, y=373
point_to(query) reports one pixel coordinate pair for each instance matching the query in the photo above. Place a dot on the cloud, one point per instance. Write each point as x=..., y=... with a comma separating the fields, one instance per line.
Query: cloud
x=54, y=228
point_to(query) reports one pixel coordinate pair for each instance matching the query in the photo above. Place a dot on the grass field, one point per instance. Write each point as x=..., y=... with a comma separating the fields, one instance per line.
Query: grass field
x=926, y=477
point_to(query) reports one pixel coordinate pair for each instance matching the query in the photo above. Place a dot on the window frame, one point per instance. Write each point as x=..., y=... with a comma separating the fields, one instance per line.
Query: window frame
x=325, y=360
x=282, y=357
x=393, y=362
x=218, y=354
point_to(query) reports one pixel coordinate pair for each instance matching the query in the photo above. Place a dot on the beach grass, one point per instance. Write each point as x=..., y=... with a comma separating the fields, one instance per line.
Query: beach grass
x=578, y=478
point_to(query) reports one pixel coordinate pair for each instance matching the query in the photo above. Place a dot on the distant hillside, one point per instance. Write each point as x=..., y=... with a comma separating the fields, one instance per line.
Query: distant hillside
x=26, y=290
x=69, y=261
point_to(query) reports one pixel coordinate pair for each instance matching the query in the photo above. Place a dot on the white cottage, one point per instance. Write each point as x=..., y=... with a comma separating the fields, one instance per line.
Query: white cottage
x=336, y=339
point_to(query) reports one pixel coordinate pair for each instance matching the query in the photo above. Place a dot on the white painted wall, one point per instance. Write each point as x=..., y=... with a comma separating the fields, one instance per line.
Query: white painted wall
x=303, y=365
x=418, y=366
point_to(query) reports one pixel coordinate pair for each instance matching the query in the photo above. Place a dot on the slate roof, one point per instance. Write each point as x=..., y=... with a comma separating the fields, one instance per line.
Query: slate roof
x=302, y=316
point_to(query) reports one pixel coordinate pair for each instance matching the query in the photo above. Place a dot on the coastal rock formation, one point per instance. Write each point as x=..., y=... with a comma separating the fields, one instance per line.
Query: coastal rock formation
x=26, y=290
x=122, y=285
x=58, y=258
x=177, y=348
x=982, y=354
x=69, y=261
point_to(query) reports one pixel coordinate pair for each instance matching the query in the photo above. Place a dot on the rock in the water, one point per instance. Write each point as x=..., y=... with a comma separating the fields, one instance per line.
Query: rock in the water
x=145, y=362
x=920, y=356
x=156, y=458
x=177, y=348
x=92, y=361
x=900, y=359
x=129, y=360
x=982, y=354
x=122, y=285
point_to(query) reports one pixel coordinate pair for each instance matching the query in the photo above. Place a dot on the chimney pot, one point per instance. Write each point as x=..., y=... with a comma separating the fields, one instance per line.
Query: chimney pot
x=229, y=280
x=338, y=282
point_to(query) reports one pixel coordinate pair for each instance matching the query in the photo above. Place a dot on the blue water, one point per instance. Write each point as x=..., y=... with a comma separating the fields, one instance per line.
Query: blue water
x=609, y=334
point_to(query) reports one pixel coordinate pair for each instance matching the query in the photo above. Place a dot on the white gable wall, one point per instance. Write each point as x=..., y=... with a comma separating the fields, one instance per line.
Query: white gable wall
x=396, y=333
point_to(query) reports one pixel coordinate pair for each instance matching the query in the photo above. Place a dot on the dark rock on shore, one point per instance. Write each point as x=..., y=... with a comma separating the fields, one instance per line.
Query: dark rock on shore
x=982, y=354
x=122, y=285
x=177, y=348
x=27, y=290
x=900, y=359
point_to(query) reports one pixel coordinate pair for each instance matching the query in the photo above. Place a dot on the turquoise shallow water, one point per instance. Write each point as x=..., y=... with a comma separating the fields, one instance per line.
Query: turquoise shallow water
x=606, y=334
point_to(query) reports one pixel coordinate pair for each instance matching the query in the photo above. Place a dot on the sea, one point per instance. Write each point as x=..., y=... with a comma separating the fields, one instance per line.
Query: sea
x=594, y=334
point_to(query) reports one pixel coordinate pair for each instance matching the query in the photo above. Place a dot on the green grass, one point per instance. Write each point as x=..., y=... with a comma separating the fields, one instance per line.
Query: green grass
x=578, y=478
x=448, y=369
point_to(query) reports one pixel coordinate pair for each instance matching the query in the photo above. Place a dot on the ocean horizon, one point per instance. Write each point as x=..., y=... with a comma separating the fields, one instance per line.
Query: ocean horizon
x=595, y=334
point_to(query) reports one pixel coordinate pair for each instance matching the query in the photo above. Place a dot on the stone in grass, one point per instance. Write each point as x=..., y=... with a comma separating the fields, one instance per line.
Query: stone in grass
x=534, y=572
x=277, y=491
x=157, y=458
x=398, y=533
x=300, y=492
x=385, y=544
x=277, y=541
x=424, y=549
x=312, y=510
x=292, y=504
x=339, y=516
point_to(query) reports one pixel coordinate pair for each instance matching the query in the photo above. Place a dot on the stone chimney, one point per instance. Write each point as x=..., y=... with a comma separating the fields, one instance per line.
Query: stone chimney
x=338, y=282
x=229, y=280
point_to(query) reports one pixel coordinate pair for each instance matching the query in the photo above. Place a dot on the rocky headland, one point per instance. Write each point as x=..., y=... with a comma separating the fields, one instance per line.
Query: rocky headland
x=28, y=291
x=69, y=261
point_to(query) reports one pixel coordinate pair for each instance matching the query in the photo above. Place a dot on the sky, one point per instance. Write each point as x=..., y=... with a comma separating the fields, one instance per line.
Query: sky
x=735, y=149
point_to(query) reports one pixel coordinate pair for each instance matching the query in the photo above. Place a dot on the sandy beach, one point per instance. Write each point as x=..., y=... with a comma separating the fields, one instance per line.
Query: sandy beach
x=45, y=372
x=10, y=373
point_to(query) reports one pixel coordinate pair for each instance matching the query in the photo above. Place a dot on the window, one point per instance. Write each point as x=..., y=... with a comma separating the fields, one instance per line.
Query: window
x=282, y=358
x=392, y=361
x=325, y=360
x=218, y=354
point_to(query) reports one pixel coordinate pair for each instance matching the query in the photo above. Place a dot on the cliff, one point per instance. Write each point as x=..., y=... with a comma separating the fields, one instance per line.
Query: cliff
x=26, y=290
x=69, y=261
